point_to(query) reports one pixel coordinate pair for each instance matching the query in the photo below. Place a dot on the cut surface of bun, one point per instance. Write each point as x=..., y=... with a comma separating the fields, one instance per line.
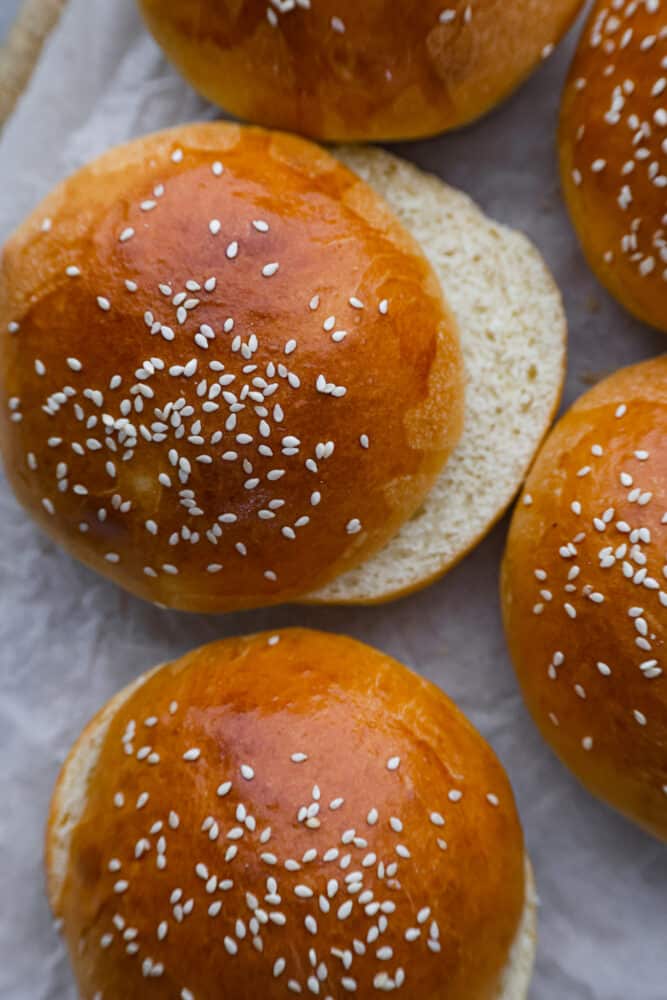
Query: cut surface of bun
x=585, y=592
x=613, y=143
x=307, y=794
x=344, y=71
x=228, y=372
x=513, y=336
x=519, y=970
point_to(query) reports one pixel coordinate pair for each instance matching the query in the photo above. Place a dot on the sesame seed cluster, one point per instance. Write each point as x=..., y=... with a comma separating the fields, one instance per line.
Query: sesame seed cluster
x=213, y=397
x=586, y=590
x=312, y=874
x=614, y=135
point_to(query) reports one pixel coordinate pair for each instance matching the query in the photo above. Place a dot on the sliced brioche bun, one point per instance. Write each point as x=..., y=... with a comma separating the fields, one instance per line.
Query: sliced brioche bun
x=328, y=746
x=585, y=592
x=513, y=334
x=228, y=372
x=348, y=71
x=399, y=421
x=613, y=151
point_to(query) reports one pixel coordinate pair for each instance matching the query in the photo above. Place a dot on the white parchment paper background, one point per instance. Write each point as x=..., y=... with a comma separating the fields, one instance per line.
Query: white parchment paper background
x=68, y=640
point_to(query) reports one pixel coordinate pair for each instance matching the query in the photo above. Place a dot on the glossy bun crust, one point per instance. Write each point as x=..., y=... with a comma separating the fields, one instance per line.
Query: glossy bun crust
x=228, y=373
x=302, y=789
x=345, y=70
x=585, y=592
x=613, y=143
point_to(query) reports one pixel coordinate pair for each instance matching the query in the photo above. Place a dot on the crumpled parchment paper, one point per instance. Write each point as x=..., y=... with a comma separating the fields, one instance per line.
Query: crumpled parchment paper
x=69, y=640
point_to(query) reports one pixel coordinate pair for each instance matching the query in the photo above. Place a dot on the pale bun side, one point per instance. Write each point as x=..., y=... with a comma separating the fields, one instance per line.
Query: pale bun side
x=344, y=71
x=519, y=971
x=227, y=371
x=584, y=591
x=69, y=797
x=613, y=151
x=513, y=334
x=330, y=723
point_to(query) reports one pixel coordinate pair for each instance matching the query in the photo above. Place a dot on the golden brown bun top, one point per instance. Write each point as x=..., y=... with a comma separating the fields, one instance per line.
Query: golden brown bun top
x=228, y=371
x=340, y=69
x=324, y=816
x=614, y=151
x=585, y=589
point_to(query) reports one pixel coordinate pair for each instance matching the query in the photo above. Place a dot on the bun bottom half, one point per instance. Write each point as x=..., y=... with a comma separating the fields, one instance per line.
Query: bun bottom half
x=513, y=334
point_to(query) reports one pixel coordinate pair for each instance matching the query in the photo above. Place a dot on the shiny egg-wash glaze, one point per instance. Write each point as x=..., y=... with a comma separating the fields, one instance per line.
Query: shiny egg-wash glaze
x=288, y=813
x=585, y=592
x=343, y=70
x=613, y=141
x=228, y=372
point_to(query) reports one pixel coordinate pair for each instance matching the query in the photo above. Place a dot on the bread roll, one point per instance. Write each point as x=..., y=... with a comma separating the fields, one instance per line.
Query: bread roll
x=228, y=371
x=288, y=813
x=512, y=329
x=349, y=71
x=613, y=142
x=585, y=593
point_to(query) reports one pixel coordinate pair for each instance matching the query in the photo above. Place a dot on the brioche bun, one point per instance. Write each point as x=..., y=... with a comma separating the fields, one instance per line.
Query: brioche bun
x=584, y=592
x=226, y=381
x=613, y=145
x=327, y=821
x=347, y=71
x=507, y=309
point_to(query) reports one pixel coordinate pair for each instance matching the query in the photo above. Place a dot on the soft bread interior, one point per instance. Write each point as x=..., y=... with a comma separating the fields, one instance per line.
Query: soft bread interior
x=69, y=802
x=513, y=334
x=519, y=971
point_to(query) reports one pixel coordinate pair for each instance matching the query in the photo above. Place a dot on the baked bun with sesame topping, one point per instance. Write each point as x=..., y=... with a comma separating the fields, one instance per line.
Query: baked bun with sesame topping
x=613, y=144
x=267, y=383
x=345, y=71
x=230, y=371
x=585, y=592
x=290, y=813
